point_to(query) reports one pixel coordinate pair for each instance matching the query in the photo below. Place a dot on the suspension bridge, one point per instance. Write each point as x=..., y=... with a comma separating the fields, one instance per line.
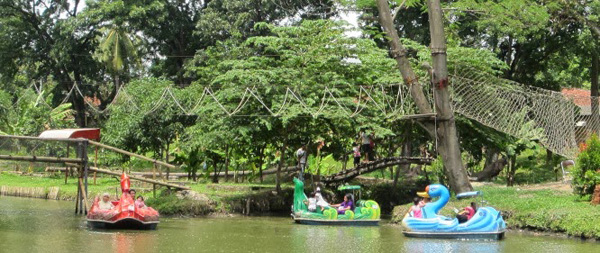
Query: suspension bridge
x=549, y=117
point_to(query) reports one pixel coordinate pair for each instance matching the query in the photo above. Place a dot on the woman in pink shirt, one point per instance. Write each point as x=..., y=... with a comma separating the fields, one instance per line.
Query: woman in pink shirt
x=467, y=213
x=415, y=210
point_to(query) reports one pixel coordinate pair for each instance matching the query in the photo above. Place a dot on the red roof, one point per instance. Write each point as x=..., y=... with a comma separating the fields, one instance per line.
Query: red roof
x=87, y=133
x=580, y=97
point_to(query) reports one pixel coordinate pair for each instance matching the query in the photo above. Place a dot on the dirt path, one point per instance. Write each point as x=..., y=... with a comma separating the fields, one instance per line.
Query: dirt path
x=559, y=186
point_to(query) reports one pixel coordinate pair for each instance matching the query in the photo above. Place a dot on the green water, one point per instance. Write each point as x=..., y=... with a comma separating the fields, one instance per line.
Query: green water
x=33, y=225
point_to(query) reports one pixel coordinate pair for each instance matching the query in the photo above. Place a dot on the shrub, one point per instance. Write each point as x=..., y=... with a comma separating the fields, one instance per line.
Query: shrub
x=586, y=175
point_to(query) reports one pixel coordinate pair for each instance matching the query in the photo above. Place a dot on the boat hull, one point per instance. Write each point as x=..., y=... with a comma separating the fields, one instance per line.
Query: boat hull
x=336, y=222
x=498, y=235
x=126, y=223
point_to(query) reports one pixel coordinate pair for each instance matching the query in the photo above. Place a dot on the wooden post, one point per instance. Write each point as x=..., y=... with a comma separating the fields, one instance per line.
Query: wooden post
x=84, y=197
x=85, y=166
x=153, y=171
x=77, y=199
x=67, y=168
x=154, y=190
x=95, y=164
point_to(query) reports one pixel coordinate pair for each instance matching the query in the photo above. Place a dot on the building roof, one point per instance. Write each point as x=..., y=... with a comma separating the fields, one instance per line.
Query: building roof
x=580, y=97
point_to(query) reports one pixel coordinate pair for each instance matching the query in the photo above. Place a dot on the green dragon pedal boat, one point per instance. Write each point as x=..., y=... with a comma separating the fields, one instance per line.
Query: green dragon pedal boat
x=366, y=212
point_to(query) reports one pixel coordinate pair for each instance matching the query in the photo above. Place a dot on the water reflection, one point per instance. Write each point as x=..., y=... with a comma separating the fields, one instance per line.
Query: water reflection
x=438, y=245
x=316, y=238
x=31, y=225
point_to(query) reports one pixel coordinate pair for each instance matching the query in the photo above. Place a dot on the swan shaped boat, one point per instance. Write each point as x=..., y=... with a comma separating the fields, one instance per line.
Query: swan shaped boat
x=366, y=213
x=125, y=214
x=486, y=223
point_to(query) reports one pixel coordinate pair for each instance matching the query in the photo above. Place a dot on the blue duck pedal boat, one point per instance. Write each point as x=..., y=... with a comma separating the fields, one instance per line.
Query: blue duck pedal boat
x=486, y=223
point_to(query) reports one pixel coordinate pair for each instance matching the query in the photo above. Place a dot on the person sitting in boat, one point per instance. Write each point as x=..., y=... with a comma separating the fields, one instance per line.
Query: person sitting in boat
x=321, y=203
x=415, y=210
x=139, y=202
x=467, y=213
x=132, y=193
x=424, y=202
x=311, y=203
x=346, y=205
x=105, y=203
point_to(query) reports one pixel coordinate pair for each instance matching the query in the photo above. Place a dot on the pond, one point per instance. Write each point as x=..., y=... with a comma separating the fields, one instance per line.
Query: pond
x=35, y=225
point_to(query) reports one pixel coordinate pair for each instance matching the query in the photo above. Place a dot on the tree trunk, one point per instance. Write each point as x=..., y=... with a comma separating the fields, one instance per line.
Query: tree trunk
x=510, y=180
x=216, y=172
x=493, y=166
x=281, y=163
x=549, y=164
x=448, y=138
x=596, y=195
x=449, y=146
x=399, y=53
x=406, y=147
x=167, y=160
x=260, y=162
x=595, y=68
x=226, y=162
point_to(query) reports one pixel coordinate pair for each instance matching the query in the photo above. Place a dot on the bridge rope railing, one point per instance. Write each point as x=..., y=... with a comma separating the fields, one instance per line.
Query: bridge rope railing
x=553, y=119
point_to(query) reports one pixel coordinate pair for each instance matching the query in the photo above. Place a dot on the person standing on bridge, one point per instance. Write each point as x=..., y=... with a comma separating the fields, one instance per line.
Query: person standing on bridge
x=367, y=144
x=302, y=155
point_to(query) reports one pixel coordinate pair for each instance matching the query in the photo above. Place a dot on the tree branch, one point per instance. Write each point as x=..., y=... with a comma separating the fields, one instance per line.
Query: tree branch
x=397, y=10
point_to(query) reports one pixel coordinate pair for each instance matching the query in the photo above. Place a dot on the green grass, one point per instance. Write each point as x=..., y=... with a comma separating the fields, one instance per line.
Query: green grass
x=67, y=191
x=545, y=210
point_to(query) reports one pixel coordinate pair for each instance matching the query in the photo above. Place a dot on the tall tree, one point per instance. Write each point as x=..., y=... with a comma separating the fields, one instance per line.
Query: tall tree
x=44, y=40
x=118, y=53
x=446, y=132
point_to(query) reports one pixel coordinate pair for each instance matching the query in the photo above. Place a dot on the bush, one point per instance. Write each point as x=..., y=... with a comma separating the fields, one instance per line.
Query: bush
x=586, y=175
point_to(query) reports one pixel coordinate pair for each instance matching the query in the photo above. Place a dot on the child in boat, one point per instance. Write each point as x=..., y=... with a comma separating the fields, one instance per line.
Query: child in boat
x=415, y=210
x=346, y=205
x=424, y=202
x=467, y=213
x=321, y=203
x=105, y=203
x=311, y=202
x=139, y=202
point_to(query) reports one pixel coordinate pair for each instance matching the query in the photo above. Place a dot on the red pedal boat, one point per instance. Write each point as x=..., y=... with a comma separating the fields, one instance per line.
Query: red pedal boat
x=124, y=215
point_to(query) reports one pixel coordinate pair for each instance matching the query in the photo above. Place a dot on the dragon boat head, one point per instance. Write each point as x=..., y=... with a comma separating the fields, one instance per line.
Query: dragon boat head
x=125, y=183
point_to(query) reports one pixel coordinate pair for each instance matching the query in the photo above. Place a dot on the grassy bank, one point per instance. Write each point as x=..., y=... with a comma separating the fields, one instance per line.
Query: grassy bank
x=67, y=191
x=538, y=209
x=207, y=197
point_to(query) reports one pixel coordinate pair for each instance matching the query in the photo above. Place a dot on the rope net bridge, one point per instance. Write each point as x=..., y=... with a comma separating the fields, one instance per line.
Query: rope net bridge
x=559, y=122
x=555, y=120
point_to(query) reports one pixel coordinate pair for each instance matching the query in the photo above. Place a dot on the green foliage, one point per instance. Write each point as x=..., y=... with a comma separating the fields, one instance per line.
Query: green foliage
x=136, y=131
x=117, y=51
x=28, y=113
x=587, y=173
x=169, y=204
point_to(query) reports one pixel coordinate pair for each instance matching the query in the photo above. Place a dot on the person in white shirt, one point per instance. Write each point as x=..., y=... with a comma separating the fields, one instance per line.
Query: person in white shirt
x=320, y=200
x=312, y=203
x=105, y=203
